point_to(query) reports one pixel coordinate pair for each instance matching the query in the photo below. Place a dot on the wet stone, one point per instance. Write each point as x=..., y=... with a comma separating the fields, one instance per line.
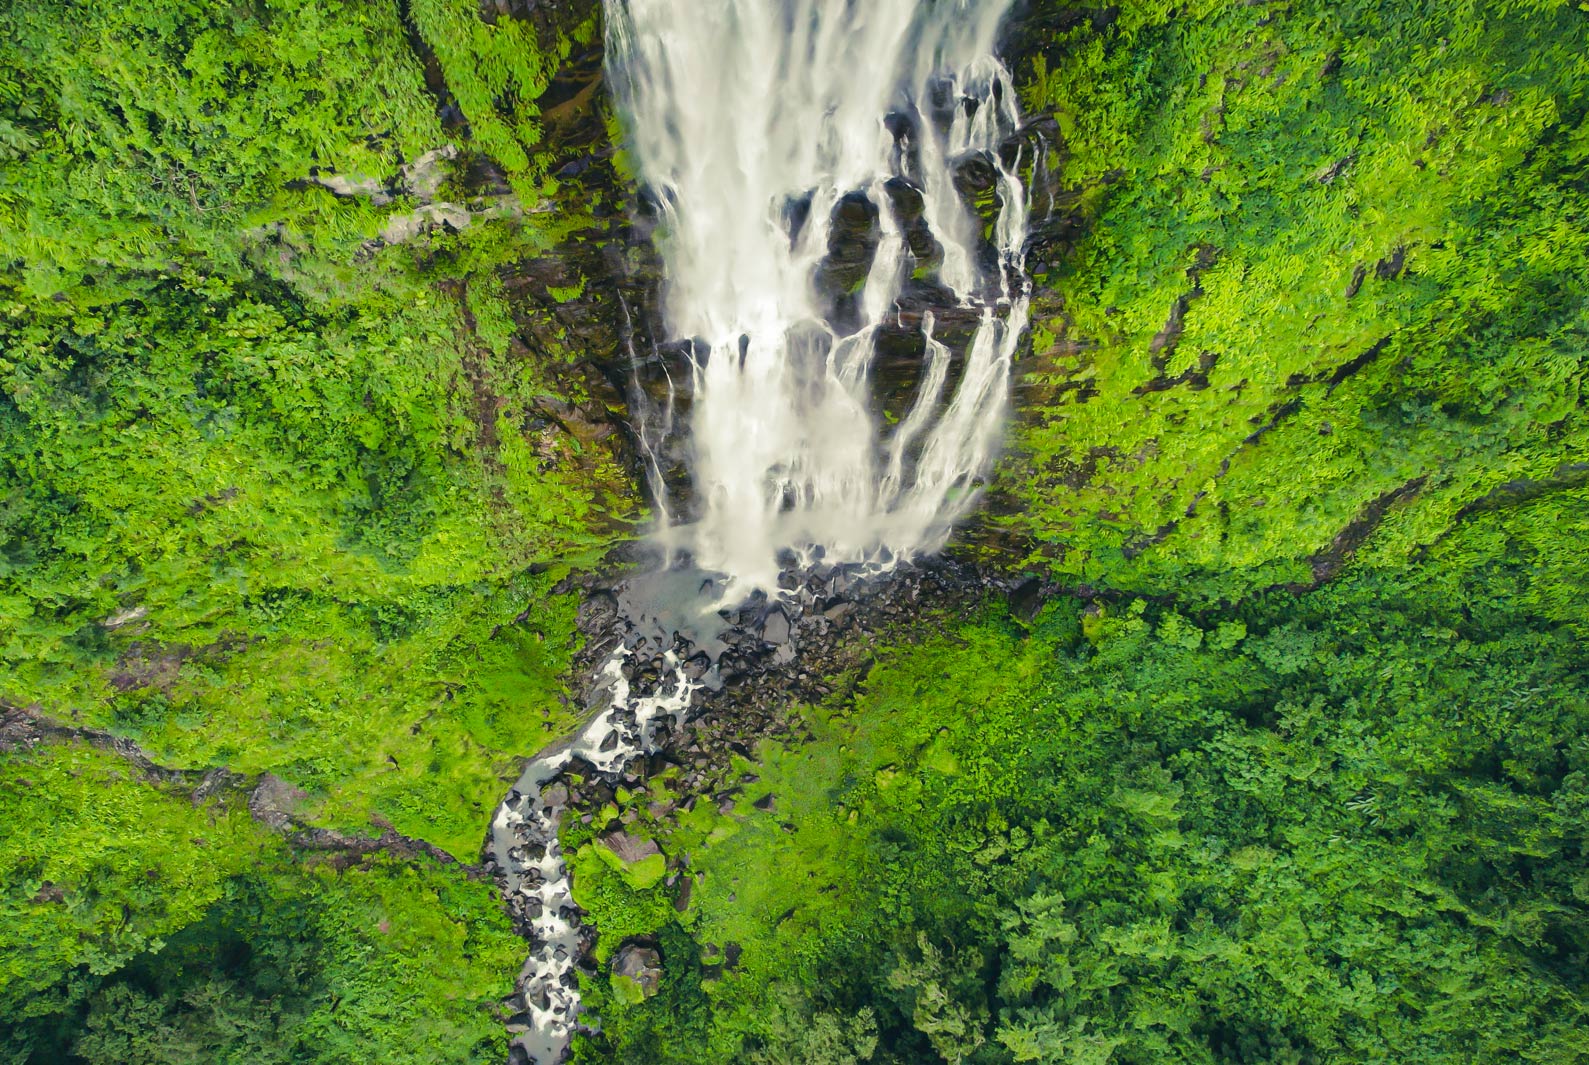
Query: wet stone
x=629, y=848
x=775, y=629
x=642, y=964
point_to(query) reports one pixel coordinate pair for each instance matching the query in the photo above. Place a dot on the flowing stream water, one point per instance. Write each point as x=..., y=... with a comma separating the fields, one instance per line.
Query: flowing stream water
x=762, y=129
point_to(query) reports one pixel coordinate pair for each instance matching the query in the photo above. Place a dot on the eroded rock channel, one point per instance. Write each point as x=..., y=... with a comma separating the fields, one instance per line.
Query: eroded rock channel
x=678, y=681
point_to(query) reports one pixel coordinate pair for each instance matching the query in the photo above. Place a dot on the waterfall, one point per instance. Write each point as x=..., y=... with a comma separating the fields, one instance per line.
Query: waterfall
x=755, y=124
x=811, y=161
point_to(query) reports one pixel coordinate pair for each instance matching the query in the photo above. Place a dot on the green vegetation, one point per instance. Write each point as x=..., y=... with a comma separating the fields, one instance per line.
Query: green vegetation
x=293, y=457
x=1327, y=255
x=275, y=495
x=266, y=506
x=145, y=926
x=1345, y=825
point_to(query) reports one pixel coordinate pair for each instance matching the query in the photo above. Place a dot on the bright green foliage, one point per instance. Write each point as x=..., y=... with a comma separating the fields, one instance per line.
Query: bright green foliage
x=489, y=65
x=628, y=905
x=276, y=498
x=262, y=505
x=141, y=926
x=1343, y=826
x=1328, y=250
x=420, y=956
x=136, y=135
x=128, y=864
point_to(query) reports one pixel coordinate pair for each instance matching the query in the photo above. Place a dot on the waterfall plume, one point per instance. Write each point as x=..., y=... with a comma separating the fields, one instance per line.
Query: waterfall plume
x=762, y=128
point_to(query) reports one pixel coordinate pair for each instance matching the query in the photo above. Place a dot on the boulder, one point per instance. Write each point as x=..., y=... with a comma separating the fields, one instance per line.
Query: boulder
x=775, y=628
x=641, y=965
x=629, y=849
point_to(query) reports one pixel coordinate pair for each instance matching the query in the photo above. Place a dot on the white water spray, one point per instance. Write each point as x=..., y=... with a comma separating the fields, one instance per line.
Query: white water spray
x=751, y=120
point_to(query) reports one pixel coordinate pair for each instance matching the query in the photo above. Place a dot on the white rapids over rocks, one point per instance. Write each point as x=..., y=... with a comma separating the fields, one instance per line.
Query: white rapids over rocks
x=736, y=110
x=524, y=833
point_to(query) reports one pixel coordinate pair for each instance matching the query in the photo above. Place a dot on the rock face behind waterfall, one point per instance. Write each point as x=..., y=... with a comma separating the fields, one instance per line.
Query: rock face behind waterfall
x=888, y=149
x=595, y=299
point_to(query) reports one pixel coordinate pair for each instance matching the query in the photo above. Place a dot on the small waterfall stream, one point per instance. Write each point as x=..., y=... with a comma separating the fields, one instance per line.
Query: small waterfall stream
x=764, y=128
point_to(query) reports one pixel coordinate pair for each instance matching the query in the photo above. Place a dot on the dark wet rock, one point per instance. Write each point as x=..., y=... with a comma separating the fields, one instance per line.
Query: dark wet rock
x=976, y=180
x=853, y=240
x=838, y=611
x=906, y=200
x=1026, y=599
x=775, y=629
x=215, y=784
x=681, y=898
x=597, y=612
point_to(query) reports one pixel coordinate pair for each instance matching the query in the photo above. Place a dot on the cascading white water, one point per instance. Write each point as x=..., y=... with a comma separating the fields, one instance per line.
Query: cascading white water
x=525, y=843
x=737, y=109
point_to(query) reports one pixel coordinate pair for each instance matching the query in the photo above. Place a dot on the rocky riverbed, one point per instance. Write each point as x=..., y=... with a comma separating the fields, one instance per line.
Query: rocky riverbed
x=674, y=680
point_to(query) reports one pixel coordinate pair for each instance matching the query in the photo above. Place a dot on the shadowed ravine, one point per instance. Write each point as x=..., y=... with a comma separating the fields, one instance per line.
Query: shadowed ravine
x=810, y=161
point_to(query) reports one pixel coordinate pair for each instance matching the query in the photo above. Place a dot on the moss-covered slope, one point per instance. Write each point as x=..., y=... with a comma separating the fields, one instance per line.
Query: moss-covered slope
x=1313, y=270
x=285, y=488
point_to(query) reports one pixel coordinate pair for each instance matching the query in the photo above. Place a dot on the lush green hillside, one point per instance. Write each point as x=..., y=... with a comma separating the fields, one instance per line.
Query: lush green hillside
x=1314, y=267
x=146, y=925
x=305, y=329
x=273, y=491
x=1345, y=825
x=282, y=490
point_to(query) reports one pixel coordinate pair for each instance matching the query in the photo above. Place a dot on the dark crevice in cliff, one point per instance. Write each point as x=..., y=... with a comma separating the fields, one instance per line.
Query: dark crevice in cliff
x=268, y=798
x=1329, y=562
x=447, y=109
